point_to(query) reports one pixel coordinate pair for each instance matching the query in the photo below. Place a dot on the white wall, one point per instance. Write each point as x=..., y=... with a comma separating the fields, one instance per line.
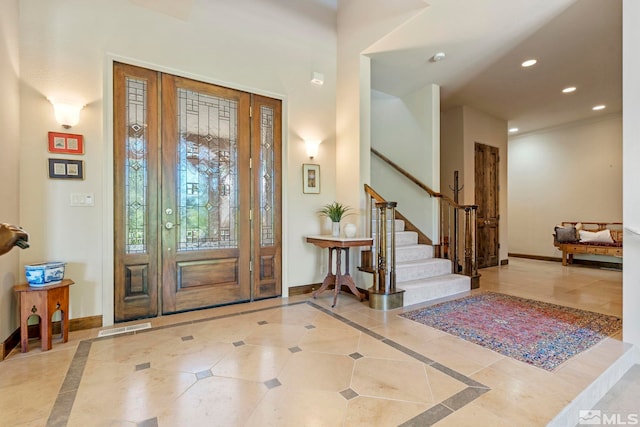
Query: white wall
x=9, y=160
x=407, y=130
x=462, y=127
x=631, y=176
x=451, y=149
x=570, y=173
x=263, y=46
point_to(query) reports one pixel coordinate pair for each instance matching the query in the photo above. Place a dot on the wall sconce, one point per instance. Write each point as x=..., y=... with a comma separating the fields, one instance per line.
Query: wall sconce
x=312, y=147
x=67, y=115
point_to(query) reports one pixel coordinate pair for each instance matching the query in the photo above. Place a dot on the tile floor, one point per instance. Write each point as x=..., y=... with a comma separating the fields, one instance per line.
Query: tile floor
x=297, y=362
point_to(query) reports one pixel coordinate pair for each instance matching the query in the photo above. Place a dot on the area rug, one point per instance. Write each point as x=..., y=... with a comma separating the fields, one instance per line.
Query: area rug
x=541, y=334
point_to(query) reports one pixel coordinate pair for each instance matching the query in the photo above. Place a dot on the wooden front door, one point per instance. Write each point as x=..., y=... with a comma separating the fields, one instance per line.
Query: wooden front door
x=486, y=197
x=189, y=206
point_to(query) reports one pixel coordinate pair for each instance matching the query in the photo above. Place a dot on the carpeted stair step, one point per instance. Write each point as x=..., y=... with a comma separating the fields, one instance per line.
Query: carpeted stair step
x=425, y=268
x=413, y=252
x=421, y=290
x=403, y=238
x=399, y=225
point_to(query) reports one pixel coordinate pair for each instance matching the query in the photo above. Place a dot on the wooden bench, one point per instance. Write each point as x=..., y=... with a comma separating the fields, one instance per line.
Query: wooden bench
x=593, y=248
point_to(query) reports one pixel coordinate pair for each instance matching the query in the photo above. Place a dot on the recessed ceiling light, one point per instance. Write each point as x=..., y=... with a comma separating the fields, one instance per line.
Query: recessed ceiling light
x=512, y=130
x=569, y=89
x=529, y=62
x=599, y=107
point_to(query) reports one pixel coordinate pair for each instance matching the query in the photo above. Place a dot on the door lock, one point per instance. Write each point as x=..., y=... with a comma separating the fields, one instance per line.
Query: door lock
x=169, y=225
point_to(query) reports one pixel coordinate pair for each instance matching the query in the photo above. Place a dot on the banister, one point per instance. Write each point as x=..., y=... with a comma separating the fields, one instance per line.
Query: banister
x=417, y=182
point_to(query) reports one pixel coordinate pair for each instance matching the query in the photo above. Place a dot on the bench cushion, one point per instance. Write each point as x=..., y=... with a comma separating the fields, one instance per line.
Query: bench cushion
x=602, y=236
x=566, y=234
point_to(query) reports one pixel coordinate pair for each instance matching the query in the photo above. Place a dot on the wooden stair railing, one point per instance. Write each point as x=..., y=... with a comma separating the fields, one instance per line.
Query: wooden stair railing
x=458, y=227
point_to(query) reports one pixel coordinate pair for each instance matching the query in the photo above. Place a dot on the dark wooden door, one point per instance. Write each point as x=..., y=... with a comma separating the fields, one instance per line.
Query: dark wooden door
x=487, y=187
x=197, y=194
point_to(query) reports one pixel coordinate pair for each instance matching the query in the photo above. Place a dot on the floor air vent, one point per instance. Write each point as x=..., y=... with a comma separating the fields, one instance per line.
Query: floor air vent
x=124, y=329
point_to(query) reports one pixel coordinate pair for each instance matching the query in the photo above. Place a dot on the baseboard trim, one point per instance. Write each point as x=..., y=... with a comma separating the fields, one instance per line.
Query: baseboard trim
x=536, y=257
x=303, y=289
x=10, y=343
x=33, y=331
x=584, y=262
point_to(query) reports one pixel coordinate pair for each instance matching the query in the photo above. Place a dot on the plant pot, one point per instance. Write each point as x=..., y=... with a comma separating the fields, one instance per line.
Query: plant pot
x=335, y=229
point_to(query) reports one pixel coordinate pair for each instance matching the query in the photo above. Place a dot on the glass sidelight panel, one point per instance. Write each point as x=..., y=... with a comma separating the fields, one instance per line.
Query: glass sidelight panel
x=267, y=172
x=206, y=181
x=135, y=168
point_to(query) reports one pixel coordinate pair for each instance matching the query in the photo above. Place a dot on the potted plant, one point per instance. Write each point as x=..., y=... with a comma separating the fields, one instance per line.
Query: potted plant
x=335, y=212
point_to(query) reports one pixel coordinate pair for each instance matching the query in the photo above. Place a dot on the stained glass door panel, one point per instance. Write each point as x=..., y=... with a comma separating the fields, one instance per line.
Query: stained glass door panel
x=267, y=164
x=205, y=228
x=135, y=192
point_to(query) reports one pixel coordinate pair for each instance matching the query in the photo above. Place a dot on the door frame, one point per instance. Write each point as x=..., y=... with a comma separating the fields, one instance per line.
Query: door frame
x=108, y=292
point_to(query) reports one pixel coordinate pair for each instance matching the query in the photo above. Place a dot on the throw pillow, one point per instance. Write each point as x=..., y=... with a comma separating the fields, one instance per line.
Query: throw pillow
x=602, y=236
x=566, y=234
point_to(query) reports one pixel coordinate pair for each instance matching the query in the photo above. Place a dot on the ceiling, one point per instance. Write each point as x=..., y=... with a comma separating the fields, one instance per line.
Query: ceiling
x=576, y=42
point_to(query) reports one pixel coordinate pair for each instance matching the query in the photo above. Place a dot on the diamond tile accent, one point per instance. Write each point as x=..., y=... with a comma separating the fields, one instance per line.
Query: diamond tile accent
x=348, y=394
x=295, y=349
x=356, y=356
x=187, y=338
x=273, y=383
x=238, y=343
x=151, y=422
x=143, y=366
x=204, y=374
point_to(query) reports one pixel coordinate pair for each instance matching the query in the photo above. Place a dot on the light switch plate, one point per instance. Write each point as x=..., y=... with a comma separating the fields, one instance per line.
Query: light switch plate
x=82, y=199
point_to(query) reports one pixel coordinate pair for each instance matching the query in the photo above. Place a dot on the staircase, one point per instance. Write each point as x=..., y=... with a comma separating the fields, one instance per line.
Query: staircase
x=422, y=276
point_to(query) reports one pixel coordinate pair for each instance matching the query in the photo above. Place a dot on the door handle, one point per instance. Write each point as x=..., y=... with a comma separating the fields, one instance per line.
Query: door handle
x=169, y=225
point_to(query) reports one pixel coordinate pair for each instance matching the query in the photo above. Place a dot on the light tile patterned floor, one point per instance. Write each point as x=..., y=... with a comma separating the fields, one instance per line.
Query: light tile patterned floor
x=297, y=362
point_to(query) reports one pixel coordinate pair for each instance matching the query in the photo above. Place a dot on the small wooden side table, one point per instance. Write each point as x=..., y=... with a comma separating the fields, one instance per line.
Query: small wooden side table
x=339, y=244
x=43, y=301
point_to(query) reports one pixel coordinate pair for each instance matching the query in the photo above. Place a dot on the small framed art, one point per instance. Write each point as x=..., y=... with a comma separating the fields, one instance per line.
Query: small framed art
x=311, y=179
x=66, y=143
x=66, y=169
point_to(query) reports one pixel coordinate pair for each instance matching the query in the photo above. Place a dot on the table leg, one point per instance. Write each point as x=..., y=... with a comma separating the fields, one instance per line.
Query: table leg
x=336, y=289
x=24, y=320
x=348, y=280
x=329, y=279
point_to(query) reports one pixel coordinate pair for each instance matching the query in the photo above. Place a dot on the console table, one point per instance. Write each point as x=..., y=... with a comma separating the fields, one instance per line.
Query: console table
x=339, y=245
x=43, y=301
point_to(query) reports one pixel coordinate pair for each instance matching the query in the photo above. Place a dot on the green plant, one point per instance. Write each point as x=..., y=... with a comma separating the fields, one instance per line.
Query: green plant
x=335, y=211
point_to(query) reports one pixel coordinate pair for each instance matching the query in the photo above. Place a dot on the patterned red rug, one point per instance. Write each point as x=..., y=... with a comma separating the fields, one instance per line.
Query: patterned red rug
x=541, y=334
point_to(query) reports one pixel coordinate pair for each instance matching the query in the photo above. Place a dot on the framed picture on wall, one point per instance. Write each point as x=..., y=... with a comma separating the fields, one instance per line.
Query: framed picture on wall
x=310, y=179
x=66, y=143
x=66, y=169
